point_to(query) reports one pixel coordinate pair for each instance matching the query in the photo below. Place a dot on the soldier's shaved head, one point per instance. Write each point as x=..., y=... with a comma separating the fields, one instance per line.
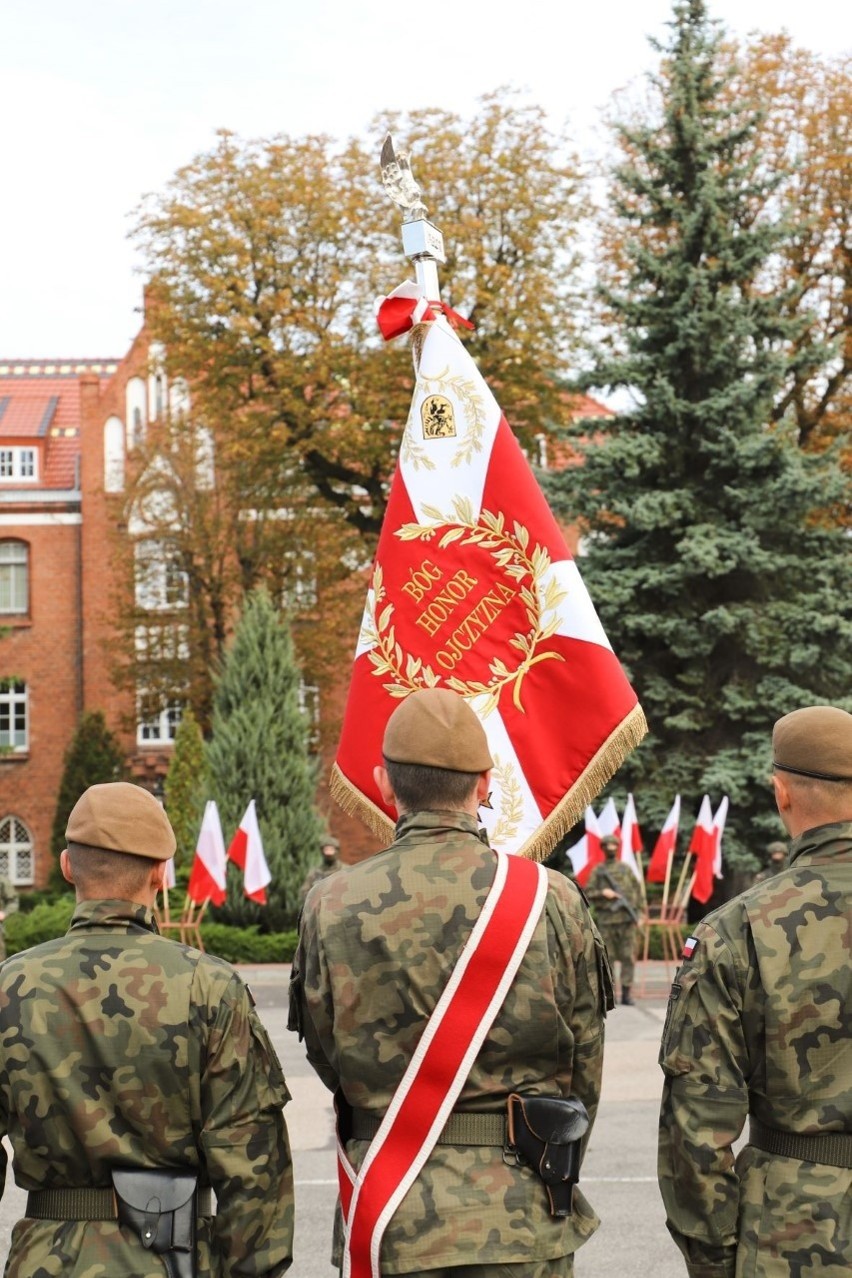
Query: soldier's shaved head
x=98, y=874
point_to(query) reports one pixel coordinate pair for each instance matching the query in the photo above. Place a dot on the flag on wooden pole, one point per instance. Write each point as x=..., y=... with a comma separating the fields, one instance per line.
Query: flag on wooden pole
x=702, y=845
x=246, y=851
x=718, y=830
x=664, y=848
x=631, y=837
x=207, y=877
x=473, y=588
x=586, y=853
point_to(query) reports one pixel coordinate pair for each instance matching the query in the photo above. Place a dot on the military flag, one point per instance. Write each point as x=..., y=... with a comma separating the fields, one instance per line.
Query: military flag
x=608, y=819
x=246, y=851
x=664, y=848
x=207, y=877
x=473, y=588
x=702, y=845
x=719, y=819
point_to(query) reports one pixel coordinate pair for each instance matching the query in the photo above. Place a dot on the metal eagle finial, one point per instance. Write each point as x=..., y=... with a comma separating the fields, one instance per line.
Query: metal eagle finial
x=399, y=181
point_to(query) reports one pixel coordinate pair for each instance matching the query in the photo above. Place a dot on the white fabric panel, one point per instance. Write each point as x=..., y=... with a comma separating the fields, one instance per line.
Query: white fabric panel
x=506, y=761
x=578, y=617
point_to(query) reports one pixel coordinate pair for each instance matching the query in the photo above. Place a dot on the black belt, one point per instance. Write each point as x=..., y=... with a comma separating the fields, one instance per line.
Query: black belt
x=834, y=1149
x=460, y=1129
x=90, y=1204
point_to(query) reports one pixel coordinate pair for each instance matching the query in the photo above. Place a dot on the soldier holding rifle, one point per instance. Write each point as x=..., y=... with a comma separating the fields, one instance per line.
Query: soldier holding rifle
x=616, y=896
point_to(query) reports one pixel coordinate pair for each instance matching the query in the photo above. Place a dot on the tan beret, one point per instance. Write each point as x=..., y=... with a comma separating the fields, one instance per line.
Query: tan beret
x=814, y=742
x=437, y=729
x=120, y=817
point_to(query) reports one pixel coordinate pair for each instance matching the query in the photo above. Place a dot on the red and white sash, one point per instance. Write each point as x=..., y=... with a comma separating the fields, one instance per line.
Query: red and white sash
x=441, y=1062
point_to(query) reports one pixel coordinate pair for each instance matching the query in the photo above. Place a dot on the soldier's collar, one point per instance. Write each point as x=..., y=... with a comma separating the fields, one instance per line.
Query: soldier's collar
x=433, y=820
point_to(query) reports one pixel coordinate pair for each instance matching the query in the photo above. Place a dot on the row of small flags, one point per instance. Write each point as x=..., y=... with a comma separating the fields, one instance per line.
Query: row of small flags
x=705, y=844
x=207, y=878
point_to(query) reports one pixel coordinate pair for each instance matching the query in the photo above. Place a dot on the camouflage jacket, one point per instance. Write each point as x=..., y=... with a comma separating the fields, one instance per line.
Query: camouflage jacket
x=758, y=1022
x=614, y=913
x=121, y=1048
x=378, y=943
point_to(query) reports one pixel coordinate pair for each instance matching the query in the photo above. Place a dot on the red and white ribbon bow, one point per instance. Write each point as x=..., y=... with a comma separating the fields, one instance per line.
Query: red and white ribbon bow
x=407, y=306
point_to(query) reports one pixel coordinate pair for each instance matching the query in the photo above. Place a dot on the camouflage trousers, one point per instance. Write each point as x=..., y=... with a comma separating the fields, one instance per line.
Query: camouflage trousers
x=562, y=1267
x=620, y=942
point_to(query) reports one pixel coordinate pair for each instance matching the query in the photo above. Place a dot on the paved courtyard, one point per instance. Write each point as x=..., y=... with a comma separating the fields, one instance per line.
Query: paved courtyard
x=618, y=1176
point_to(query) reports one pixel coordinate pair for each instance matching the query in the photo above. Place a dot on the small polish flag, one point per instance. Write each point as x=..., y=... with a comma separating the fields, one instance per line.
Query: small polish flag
x=207, y=879
x=702, y=845
x=246, y=851
x=631, y=837
x=586, y=852
x=718, y=830
x=665, y=846
x=608, y=819
x=690, y=946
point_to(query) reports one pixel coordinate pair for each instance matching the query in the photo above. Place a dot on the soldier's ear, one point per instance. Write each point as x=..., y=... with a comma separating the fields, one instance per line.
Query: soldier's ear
x=782, y=794
x=383, y=785
x=65, y=865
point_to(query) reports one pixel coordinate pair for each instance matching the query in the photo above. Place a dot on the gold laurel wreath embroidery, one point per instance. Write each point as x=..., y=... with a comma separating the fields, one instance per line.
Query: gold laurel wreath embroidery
x=472, y=406
x=511, y=803
x=510, y=551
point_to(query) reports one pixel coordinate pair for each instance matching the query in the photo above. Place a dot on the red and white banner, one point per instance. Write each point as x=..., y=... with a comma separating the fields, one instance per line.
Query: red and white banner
x=719, y=820
x=631, y=837
x=586, y=853
x=440, y=1064
x=473, y=588
x=702, y=845
x=207, y=878
x=246, y=851
x=664, y=848
x=608, y=819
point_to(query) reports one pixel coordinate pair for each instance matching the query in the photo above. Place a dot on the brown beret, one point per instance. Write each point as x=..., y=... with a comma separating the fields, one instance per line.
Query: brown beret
x=814, y=742
x=120, y=817
x=437, y=728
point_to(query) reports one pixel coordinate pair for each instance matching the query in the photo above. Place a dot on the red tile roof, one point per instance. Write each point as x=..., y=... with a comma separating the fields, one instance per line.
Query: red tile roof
x=40, y=399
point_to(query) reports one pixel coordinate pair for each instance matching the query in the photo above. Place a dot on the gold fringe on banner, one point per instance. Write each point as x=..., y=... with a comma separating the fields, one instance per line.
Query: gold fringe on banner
x=567, y=812
x=588, y=785
x=353, y=801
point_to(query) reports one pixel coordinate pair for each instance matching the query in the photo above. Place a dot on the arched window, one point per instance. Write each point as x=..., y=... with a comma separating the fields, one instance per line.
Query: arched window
x=137, y=411
x=114, y=455
x=17, y=860
x=14, y=577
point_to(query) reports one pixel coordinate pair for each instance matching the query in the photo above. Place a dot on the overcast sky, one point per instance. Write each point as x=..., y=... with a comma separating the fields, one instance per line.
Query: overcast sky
x=101, y=100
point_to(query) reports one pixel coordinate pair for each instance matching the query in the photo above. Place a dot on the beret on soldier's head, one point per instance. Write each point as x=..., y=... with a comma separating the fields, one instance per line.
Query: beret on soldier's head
x=609, y=840
x=330, y=842
x=814, y=742
x=120, y=817
x=777, y=849
x=437, y=729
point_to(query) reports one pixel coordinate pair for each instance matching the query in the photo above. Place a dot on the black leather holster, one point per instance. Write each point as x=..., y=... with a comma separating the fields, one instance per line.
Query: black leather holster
x=160, y=1208
x=545, y=1134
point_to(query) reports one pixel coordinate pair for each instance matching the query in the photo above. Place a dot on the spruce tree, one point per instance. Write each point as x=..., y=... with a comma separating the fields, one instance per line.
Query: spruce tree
x=714, y=552
x=92, y=757
x=258, y=750
x=186, y=787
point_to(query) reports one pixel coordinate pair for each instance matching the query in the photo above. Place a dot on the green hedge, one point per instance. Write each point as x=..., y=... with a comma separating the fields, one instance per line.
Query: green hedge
x=51, y=918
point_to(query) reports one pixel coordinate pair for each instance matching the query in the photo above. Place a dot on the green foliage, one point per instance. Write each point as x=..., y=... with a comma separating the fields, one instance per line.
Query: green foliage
x=248, y=944
x=258, y=750
x=92, y=758
x=46, y=921
x=186, y=787
x=714, y=556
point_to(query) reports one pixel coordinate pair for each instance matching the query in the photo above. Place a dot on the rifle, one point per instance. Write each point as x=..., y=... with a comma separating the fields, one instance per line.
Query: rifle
x=621, y=899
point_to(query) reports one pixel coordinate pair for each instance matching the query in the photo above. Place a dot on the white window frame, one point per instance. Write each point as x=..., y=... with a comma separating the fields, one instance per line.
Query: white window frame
x=18, y=464
x=13, y=572
x=162, y=729
x=161, y=584
x=300, y=590
x=16, y=847
x=14, y=707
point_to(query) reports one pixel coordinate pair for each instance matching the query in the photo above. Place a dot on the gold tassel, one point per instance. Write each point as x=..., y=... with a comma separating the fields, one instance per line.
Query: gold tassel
x=351, y=800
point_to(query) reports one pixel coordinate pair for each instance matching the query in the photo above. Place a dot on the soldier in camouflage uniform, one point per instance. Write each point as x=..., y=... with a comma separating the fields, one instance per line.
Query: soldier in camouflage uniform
x=616, y=896
x=329, y=850
x=758, y=1025
x=378, y=943
x=119, y=1048
x=776, y=859
x=8, y=905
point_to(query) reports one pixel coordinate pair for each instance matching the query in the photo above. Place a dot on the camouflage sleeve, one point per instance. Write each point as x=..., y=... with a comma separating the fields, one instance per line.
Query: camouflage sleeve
x=244, y=1141
x=580, y=975
x=705, y=1104
x=311, y=1006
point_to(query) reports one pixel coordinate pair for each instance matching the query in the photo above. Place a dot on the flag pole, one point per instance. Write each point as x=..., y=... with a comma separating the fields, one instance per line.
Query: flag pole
x=669, y=863
x=423, y=243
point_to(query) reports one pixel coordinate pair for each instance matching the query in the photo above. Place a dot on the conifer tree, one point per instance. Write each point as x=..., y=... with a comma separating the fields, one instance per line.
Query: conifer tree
x=92, y=757
x=258, y=750
x=186, y=787
x=714, y=552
